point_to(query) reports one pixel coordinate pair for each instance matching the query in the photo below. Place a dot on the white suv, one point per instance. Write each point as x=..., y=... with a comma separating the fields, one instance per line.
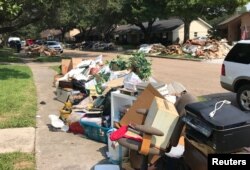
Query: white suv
x=54, y=45
x=235, y=73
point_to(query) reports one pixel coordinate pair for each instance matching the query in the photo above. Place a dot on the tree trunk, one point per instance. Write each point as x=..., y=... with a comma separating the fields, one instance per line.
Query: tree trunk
x=63, y=30
x=186, y=30
x=147, y=30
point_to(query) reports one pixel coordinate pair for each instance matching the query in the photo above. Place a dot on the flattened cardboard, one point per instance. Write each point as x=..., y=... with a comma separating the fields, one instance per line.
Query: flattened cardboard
x=144, y=101
x=113, y=83
x=65, y=66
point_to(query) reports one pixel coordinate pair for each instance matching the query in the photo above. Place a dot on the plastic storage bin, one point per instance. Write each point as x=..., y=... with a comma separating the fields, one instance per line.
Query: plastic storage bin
x=95, y=132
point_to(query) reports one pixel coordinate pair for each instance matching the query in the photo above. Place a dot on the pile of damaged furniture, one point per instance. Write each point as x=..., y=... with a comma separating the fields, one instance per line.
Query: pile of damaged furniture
x=145, y=124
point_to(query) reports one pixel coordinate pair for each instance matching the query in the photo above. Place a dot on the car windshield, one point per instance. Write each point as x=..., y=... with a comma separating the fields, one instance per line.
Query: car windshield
x=52, y=43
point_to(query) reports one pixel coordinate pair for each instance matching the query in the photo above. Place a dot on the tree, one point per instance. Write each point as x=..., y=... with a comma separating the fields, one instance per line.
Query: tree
x=143, y=13
x=85, y=15
x=189, y=10
x=103, y=15
x=17, y=14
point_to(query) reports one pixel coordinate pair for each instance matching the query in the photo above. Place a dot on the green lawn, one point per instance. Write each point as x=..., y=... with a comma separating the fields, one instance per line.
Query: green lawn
x=49, y=58
x=18, y=106
x=8, y=55
x=17, y=161
x=17, y=97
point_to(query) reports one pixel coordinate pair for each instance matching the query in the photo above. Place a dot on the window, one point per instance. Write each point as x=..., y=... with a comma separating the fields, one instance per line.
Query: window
x=195, y=34
x=240, y=53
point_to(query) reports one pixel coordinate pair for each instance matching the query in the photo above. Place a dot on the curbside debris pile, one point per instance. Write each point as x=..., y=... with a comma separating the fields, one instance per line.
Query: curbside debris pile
x=198, y=48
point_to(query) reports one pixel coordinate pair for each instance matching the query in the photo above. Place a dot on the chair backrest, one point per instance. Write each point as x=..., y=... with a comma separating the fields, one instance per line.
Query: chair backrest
x=180, y=104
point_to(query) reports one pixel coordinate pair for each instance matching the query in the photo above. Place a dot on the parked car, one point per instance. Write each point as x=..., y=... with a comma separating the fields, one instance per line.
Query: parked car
x=40, y=42
x=235, y=73
x=12, y=41
x=54, y=45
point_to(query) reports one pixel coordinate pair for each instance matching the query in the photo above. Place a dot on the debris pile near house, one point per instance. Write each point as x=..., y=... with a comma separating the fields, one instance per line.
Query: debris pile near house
x=155, y=49
x=206, y=48
x=173, y=49
x=96, y=45
x=39, y=50
x=200, y=48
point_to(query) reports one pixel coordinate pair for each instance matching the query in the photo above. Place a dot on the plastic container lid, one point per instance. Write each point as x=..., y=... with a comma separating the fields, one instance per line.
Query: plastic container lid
x=107, y=166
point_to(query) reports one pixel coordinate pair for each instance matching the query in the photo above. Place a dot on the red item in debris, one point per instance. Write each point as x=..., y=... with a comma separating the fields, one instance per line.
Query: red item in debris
x=123, y=132
x=119, y=133
x=29, y=42
x=76, y=128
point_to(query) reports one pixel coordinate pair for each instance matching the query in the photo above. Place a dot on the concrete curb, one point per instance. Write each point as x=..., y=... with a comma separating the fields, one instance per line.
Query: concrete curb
x=17, y=139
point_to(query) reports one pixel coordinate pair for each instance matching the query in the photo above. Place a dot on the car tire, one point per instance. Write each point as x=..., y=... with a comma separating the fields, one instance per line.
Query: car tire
x=243, y=97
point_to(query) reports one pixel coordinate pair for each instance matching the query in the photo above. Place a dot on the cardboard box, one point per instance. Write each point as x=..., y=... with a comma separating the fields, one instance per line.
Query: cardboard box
x=65, y=63
x=143, y=101
x=162, y=115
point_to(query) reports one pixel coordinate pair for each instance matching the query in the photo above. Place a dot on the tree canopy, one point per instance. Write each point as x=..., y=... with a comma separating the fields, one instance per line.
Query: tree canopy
x=104, y=15
x=17, y=14
x=143, y=13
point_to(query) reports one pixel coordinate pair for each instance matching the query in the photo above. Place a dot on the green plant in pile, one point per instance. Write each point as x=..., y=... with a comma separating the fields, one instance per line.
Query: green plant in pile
x=140, y=65
x=119, y=63
x=17, y=97
x=17, y=161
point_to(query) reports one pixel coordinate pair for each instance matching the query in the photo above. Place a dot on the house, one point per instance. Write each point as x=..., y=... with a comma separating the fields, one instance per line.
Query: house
x=51, y=34
x=70, y=35
x=90, y=34
x=163, y=31
x=236, y=27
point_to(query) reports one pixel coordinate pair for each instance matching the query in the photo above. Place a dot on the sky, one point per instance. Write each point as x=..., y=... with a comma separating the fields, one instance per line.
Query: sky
x=248, y=6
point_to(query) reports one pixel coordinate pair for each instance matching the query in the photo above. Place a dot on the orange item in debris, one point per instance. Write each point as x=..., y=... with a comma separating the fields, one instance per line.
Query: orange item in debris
x=94, y=70
x=65, y=66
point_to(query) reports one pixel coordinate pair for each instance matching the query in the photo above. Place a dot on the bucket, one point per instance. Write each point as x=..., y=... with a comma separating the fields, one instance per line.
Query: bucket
x=116, y=151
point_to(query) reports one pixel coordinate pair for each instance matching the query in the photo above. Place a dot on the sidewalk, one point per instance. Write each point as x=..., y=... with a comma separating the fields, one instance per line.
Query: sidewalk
x=56, y=150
